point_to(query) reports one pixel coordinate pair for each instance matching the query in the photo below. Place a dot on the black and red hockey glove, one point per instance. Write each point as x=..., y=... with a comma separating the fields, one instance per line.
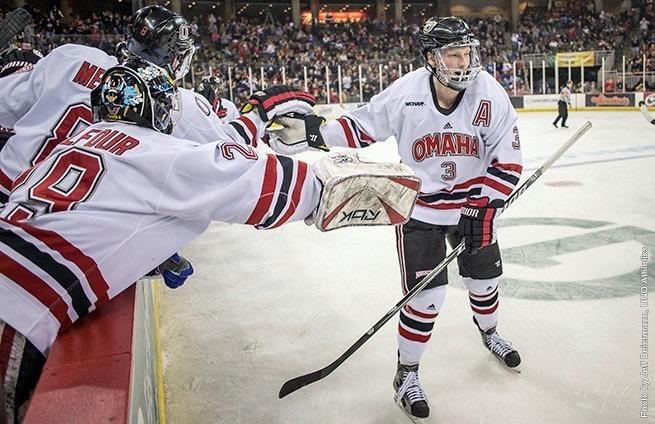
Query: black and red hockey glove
x=279, y=100
x=19, y=60
x=477, y=223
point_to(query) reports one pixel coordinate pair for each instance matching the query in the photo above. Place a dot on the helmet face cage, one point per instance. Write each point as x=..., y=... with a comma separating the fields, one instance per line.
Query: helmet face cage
x=440, y=34
x=456, y=78
x=137, y=93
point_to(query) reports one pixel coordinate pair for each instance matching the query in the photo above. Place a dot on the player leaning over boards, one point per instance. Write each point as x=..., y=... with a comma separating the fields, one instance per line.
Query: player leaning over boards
x=455, y=126
x=147, y=193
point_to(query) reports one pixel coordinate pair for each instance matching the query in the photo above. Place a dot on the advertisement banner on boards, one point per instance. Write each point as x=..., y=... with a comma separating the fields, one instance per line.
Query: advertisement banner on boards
x=610, y=99
x=541, y=101
x=649, y=98
x=575, y=59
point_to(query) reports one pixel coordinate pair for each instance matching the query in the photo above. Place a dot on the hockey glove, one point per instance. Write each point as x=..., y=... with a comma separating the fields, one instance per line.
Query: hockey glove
x=477, y=223
x=279, y=100
x=298, y=133
x=175, y=270
x=21, y=59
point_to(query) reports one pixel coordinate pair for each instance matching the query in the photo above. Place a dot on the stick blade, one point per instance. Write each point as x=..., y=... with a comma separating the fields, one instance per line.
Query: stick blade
x=300, y=382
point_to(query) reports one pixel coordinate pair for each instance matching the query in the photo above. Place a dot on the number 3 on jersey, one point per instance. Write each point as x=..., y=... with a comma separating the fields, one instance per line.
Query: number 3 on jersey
x=74, y=119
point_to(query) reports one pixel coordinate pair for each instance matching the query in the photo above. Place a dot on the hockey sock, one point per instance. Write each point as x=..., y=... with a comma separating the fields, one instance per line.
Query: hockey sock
x=483, y=297
x=416, y=324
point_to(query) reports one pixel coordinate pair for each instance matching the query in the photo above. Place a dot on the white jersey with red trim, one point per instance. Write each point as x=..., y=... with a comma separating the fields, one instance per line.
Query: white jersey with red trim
x=470, y=150
x=112, y=203
x=226, y=110
x=52, y=102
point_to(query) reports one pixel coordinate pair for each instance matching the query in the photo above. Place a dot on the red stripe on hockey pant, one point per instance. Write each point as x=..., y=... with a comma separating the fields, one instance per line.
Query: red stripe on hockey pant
x=6, y=342
x=347, y=132
x=295, y=197
x=5, y=181
x=497, y=186
x=251, y=127
x=485, y=311
x=71, y=253
x=401, y=258
x=412, y=336
x=267, y=193
x=36, y=287
x=514, y=167
x=413, y=311
x=483, y=296
x=406, y=182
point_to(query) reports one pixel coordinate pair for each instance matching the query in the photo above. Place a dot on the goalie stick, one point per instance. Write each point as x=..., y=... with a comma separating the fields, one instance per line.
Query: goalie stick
x=13, y=24
x=299, y=382
x=644, y=110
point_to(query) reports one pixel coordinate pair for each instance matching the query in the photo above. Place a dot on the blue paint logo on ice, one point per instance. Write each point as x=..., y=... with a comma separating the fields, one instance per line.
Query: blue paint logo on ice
x=597, y=260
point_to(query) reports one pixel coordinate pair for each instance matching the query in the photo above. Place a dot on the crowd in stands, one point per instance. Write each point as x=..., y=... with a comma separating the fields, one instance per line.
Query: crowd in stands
x=285, y=52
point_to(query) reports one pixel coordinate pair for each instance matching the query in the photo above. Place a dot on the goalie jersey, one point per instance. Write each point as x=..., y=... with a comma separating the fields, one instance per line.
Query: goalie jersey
x=52, y=102
x=115, y=201
x=471, y=150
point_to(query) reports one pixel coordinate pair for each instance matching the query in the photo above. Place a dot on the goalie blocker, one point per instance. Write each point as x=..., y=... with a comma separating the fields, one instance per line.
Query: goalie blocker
x=358, y=192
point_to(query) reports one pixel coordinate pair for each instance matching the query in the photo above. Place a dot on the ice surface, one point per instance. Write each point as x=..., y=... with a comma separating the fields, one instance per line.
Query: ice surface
x=264, y=307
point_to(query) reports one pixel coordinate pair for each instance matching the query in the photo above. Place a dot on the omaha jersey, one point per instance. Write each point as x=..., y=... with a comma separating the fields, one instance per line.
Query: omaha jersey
x=470, y=150
x=115, y=201
x=52, y=102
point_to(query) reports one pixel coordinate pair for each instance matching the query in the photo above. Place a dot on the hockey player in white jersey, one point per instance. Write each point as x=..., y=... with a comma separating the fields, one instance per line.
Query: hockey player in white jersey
x=148, y=193
x=210, y=89
x=50, y=102
x=455, y=126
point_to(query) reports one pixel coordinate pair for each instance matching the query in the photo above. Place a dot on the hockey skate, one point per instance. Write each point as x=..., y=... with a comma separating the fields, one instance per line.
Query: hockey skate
x=410, y=397
x=501, y=348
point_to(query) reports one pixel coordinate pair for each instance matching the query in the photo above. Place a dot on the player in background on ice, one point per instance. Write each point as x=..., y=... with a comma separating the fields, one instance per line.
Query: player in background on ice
x=456, y=128
x=563, y=104
x=210, y=89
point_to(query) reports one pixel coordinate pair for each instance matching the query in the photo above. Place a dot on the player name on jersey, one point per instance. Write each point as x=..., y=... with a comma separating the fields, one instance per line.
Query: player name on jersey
x=88, y=75
x=445, y=144
x=113, y=141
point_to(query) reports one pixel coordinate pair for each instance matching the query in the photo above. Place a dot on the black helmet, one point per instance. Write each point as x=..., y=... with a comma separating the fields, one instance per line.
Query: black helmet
x=162, y=37
x=137, y=92
x=445, y=33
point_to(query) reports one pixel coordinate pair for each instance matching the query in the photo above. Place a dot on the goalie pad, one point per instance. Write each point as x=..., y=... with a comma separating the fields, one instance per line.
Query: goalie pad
x=358, y=192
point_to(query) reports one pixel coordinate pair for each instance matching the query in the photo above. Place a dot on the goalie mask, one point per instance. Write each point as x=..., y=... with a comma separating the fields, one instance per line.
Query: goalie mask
x=441, y=36
x=137, y=92
x=162, y=37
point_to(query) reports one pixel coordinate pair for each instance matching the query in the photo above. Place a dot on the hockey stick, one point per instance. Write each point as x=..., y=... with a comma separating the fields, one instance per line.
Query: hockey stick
x=13, y=24
x=644, y=110
x=299, y=382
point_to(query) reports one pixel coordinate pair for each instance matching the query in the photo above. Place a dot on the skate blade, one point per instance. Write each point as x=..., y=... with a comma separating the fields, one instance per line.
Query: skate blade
x=412, y=418
x=516, y=369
